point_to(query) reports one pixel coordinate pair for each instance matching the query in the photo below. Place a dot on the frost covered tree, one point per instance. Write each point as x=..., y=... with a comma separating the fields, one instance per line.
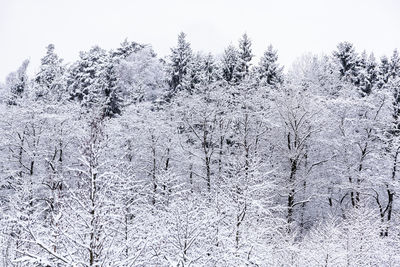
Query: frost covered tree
x=126, y=49
x=268, y=71
x=211, y=70
x=113, y=102
x=213, y=169
x=395, y=65
x=49, y=81
x=367, y=73
x=230, y=62
x=17, y=83
x=85, y=75
x=180, y=59
x=347, y=60
x=384, y=71
x=245, y=56
x=93, y=81
x=298, y=152
x=141, y=77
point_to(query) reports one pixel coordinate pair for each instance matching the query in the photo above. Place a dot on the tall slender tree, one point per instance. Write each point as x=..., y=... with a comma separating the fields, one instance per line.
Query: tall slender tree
x=230, y=62
x=347, y=60
x=49, y=79
x=245, y=56
x=269, y=71
x=180, y=59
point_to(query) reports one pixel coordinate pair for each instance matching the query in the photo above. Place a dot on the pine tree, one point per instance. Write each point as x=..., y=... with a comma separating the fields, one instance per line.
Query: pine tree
x=202, y=72
x=126, y=49
x=210, y=69
x=112, y=106
x=180, y=59
x=48, y=79
x=372, y=70
x=394, y=65
x=269, y=71
x=384, y=72
x=367, y=73
x=347, y=60
x=85, y=75
x=94, y=81
x=245, y=56
x=16, y=82
x=195, y=71
x=230, y=62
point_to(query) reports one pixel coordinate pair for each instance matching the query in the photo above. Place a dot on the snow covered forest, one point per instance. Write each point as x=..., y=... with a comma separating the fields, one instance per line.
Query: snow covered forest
x=123, y=158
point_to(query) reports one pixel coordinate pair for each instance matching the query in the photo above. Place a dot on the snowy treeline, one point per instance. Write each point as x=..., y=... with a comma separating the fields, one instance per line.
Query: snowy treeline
x=125, y=159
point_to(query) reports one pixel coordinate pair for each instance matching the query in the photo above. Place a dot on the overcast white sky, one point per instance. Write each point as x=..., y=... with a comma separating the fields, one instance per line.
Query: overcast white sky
x=293, y=27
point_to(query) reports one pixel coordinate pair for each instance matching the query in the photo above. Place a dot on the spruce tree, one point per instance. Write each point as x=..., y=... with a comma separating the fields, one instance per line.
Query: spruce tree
x=17, y=82
x=48, y=79
x=394, y=65
x=367, y=73
x=347, y=60
x=180, y=60
x=372, y=69
x=203, y=72
x=384, y=71
x=372, y=73
x=230, y=62
x=113, y=101
x=245, y=55
x=195, y=71
x=94, y=81
x=126, y=49
x=85, y=75
x=210, y=69
x=269, y=71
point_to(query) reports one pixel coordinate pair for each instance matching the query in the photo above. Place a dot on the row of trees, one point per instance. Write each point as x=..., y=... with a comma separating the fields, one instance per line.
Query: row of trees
x=123, y=159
